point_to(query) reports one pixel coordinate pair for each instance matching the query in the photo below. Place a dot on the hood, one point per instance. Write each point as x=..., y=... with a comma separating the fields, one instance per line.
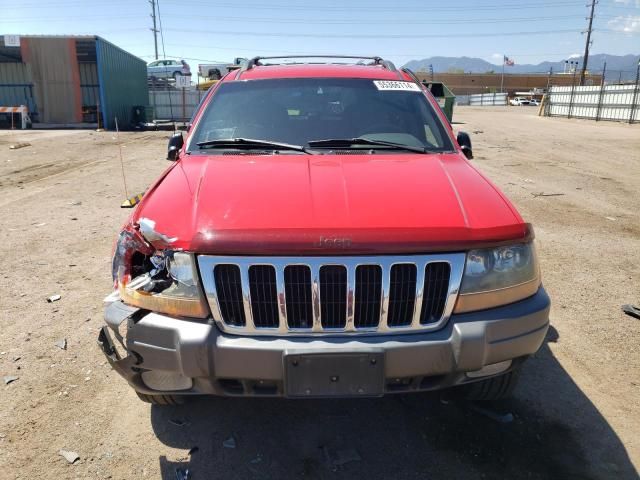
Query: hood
x=328, y=204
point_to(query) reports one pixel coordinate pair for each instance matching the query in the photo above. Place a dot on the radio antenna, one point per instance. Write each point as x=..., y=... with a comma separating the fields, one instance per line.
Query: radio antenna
x=124, y=180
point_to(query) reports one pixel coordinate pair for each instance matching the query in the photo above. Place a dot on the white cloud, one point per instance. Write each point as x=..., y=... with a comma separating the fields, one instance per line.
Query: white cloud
x=575, y=55
x=628, y=24
x=496, y=55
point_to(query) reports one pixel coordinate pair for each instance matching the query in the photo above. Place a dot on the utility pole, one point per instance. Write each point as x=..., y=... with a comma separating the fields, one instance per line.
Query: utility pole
x=154, y=29
x=585, y=59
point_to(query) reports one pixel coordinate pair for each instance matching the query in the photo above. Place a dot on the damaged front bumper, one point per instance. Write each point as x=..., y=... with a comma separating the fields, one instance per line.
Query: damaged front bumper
x=158, y=354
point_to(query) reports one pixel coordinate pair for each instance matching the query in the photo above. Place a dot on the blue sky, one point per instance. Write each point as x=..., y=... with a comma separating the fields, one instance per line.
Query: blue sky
x=202, y=30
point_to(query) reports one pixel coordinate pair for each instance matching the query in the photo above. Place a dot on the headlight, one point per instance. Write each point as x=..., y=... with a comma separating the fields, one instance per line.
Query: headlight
x=161, y=281
x=498, y=276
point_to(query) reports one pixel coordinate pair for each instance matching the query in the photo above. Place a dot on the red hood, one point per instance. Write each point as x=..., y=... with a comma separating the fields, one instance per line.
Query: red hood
x=305, y=204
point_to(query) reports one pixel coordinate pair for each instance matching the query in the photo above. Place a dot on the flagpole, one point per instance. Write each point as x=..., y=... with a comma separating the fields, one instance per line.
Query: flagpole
x=502, y=78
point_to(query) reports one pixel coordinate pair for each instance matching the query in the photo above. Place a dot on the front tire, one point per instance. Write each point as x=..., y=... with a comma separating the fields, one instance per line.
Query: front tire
x=163, y=400
x=494, y=388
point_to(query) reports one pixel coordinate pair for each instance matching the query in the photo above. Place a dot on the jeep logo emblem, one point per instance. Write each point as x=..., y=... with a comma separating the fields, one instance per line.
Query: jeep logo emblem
x=333, y=242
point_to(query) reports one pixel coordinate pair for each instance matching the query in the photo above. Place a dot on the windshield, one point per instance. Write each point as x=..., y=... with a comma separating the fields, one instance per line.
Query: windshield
x=297, y=111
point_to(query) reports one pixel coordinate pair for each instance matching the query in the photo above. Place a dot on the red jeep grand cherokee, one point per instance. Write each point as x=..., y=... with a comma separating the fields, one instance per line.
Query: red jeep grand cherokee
x=322, y=233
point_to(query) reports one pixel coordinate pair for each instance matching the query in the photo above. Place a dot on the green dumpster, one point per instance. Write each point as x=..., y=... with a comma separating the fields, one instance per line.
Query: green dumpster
x=443, y=95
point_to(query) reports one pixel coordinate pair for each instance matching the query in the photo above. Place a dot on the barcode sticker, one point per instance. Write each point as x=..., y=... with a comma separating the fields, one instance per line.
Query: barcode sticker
x=396, y=85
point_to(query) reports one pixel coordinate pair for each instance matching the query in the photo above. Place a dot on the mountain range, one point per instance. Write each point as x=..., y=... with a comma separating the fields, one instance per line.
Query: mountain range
x=623, y=66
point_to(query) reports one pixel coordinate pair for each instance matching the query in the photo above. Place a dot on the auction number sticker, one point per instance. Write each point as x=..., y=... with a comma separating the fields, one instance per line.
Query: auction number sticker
x=396, y=85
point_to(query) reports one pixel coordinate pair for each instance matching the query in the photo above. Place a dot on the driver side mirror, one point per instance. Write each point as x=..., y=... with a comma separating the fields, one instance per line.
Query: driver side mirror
x=465, y=144
x=175, y=144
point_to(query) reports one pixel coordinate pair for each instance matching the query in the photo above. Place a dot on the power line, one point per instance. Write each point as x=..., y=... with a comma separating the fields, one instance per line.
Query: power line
x=360, y=7
x=298, y=52
x=328, y=36
x=208, y=60
x=372, y=35
x=399, y=23
x=329, y=21
x=372, y=8
x=324, y=21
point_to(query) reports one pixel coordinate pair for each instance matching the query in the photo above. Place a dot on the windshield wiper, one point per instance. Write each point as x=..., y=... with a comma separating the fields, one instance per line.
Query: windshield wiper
x=251, y=143
x=348, y=142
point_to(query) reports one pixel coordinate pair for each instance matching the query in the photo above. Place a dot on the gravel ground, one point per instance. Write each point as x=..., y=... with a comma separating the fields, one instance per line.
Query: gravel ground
x=576, y=410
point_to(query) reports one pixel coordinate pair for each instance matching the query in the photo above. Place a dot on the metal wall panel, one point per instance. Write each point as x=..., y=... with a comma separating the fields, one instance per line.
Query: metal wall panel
x=478, y=83
x=16, y=86
x=123, y=84
x=167, y=105
x=608, y=102
x=493, y=99
x=55, y=77
x=89, y=84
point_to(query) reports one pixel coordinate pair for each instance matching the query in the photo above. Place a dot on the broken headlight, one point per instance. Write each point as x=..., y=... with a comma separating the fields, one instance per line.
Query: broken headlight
x=498, y=276
x=162, y=281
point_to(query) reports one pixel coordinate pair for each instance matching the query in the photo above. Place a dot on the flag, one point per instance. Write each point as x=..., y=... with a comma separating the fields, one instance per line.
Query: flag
x=508, y=62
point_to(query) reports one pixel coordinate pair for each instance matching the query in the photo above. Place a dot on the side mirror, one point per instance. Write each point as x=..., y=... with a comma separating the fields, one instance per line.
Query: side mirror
x=465, y=144
x=175, y=145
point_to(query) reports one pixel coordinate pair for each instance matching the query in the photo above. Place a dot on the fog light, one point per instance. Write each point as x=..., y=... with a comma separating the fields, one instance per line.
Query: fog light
x=492, y=369
x=166, y=381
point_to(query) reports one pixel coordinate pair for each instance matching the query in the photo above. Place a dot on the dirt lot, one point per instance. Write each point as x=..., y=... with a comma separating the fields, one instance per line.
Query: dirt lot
x=577, y=409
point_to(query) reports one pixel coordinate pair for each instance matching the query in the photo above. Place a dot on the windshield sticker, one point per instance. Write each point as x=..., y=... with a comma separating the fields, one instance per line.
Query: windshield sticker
x=396, y=85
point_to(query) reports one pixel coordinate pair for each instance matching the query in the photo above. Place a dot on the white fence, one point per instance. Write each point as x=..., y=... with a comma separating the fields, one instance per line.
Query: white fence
x=608, y=102
x=175, y=105
x=499, y=99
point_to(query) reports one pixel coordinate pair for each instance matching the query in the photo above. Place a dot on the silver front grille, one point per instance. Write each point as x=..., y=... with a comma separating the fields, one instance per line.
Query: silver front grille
x=331, y=295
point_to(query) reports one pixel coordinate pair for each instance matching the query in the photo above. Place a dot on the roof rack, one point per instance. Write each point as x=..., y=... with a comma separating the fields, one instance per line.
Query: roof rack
x=255, y=61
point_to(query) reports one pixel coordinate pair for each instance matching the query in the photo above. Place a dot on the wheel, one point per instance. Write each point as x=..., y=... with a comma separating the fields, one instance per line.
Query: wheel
x=493, y=388
x=176, y=75
x=161, y=399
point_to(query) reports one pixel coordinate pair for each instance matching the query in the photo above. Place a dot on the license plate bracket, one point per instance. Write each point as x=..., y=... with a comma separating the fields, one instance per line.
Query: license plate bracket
x=334, y=374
